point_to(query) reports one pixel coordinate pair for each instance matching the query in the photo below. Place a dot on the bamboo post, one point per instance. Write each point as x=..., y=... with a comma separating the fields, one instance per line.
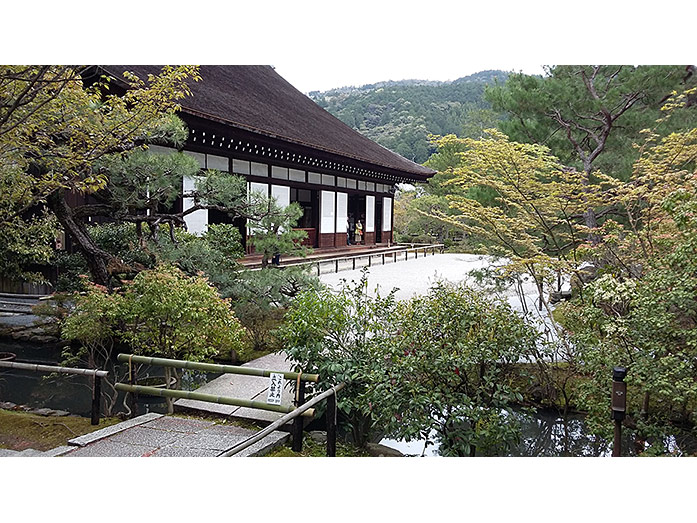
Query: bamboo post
x=214, y=367
x=331, y=425
x=210, y=398
x=96, y=399
x=298, y=424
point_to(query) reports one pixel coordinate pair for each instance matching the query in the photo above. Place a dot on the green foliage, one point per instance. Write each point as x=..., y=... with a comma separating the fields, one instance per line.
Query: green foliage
x=93, y=323
x=161, y=313
x=441, y=362
x=413, y=221
x=449, y=370
x=402, y=115
x=54, y=130
x=167, y=314
x=333, y=335
x=273, y=233
x=574, y=108
x=260, y=299
x=142, y=181
x=26, y=242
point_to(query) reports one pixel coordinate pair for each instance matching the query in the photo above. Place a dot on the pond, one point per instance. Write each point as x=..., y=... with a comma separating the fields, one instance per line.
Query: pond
x=544, y=433
x=72, y=393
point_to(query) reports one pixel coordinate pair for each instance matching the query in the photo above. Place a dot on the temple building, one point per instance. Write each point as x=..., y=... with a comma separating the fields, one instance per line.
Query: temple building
x=249, y=121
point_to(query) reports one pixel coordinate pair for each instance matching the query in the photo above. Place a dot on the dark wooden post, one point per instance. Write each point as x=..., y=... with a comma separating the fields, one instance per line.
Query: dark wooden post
x=133, y=378
x=96, y=399
x=354, y=264
x=298, y=422
x=370, y=261
x=317, y=268
x=331, y=426
x=337, y=265
x=383, y=258
x=618, y=406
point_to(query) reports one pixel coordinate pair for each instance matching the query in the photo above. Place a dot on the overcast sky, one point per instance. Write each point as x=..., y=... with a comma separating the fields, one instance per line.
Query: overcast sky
x=319, y=45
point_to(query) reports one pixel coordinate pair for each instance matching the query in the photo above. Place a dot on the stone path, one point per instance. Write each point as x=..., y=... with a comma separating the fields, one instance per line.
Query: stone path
x=157, y=435
x=238, y=386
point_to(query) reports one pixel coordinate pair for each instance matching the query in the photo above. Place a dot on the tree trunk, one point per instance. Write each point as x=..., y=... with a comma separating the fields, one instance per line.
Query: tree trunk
x=96, y=258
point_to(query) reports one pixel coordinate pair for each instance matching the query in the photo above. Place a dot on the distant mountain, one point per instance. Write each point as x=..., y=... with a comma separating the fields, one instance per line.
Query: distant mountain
x=400, y=115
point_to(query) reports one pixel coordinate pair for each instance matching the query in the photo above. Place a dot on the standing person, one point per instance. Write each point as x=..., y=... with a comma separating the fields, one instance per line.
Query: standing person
x=359, y=232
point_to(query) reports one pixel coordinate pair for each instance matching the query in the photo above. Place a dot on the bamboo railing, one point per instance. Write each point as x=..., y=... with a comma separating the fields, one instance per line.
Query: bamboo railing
x=97, y=376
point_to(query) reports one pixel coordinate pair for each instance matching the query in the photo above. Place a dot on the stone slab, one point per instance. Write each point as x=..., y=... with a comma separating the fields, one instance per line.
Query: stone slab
x=205, y=440
x=179, y=452
x=58, y=451
x=146, y=436
x=177, y=424
x=108, y=448
x=265, y=445
x=86, y=439
x=245, y=387
x=176, y=437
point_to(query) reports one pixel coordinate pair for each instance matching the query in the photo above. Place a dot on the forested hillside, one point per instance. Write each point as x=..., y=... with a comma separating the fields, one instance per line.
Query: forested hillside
x=401, y=115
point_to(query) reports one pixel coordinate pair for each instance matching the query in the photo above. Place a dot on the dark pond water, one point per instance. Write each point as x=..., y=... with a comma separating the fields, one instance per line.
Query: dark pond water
x=544, y=433
x=71, y=393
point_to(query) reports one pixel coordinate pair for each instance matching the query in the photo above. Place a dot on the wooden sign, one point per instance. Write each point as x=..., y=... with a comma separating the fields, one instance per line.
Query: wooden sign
x=275, y=389
x=619, y=396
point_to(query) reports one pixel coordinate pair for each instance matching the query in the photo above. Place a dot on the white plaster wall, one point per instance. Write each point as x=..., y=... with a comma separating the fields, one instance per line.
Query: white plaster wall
x=387, y=214
x=369, y=213
x=281, y=194
x=341, y=211
x=328, y=212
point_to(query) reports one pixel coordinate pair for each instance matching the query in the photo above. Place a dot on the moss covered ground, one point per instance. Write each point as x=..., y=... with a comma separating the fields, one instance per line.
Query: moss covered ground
x=23, y=430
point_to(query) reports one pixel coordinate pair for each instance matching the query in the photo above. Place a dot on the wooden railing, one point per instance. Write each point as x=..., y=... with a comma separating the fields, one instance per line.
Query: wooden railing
x=297, y=413
x=97, y=376
x=382, y=258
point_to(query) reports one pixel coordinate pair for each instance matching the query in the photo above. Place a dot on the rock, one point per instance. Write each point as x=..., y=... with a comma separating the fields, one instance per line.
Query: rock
x=586, y=274
x=8, y=405
x=382, y=451
x=59, y=413
x=43, y=339
x=318, y=436
x=42, y=412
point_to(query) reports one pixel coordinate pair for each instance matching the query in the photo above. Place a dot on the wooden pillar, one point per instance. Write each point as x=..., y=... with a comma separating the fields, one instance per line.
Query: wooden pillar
x=298, y=422
x=96, y=399
x=331, y=425
x=134, y=395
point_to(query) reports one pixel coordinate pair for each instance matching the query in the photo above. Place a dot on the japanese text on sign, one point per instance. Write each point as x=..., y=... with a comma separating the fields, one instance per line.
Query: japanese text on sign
x=275, y=389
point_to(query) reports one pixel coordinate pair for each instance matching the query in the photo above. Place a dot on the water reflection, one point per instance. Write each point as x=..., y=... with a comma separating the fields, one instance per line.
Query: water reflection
x=544, y=433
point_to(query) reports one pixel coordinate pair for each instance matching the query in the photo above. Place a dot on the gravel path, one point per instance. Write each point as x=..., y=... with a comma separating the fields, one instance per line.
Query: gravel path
x=415, y=276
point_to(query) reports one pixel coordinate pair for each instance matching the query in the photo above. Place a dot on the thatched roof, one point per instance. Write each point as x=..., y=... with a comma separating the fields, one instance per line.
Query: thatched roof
x=256, y=98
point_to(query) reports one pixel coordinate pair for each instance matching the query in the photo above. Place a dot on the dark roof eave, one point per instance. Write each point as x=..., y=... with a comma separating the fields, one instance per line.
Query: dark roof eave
x=200, y=114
